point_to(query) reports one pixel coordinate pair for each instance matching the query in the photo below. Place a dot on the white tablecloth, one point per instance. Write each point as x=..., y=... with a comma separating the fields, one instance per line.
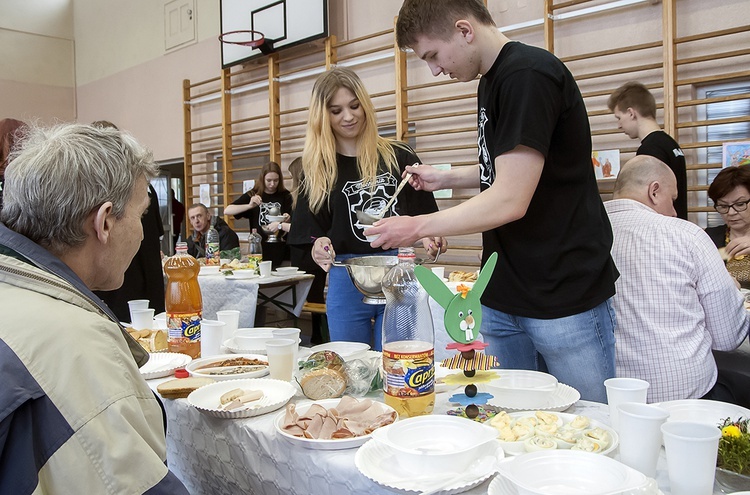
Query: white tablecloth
x=212, y=455
x=242, y=294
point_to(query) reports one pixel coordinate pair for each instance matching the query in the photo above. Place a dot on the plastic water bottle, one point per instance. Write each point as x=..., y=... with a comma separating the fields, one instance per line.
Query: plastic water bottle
x=213, y=253
x=255, y=252
x=408, y=341
x=183, y=302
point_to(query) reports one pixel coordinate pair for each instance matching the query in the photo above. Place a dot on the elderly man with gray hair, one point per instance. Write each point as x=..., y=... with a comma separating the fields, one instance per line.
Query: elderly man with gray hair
x=675, y=301
x=75, y=414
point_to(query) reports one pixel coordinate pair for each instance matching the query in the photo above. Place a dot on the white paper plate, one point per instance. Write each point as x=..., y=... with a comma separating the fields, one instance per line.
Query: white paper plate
x=308, y=443
x=232, y=346
x=276, y=394
x=556, y=472
x=703, y=411
x=161, y=364
x=287, y=274
x=378, y=463
x=198, y=363
x=517, y=448
x=564, y=397
x=503, y=486
x=241, y=275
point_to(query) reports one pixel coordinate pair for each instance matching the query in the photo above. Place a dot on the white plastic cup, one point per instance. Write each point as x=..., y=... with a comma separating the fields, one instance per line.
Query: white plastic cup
x=265, y=268
x=691, y=456
x=232, y=319
x=288, y=333
x=439, y=271
x=621, y=390
x=142, y=319
x=212, y=335
x=137, y=304
x=640, y=435
x=281, y=354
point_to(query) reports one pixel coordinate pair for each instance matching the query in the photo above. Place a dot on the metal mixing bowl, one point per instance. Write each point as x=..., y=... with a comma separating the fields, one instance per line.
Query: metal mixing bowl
x=367, y=274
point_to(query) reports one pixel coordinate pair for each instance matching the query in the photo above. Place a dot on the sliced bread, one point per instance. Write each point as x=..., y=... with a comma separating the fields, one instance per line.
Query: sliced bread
x=179, y=388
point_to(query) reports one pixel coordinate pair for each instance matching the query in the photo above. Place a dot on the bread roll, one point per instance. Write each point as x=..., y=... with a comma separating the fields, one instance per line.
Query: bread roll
x=324, y=383
x=179, y=388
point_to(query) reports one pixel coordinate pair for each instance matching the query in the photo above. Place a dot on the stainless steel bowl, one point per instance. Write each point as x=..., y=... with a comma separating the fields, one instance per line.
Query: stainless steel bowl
x=367, y=274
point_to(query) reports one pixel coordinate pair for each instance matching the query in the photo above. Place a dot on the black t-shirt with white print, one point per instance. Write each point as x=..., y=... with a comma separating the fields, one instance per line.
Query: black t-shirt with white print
x=555, y=261
x=337, y=219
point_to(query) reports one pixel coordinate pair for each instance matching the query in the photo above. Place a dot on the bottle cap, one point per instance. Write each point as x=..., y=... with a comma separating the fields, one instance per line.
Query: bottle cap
x=181, y=373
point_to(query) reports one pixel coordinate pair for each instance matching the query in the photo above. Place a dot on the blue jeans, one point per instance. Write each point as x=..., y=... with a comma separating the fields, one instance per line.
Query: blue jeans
x=348, y=317
x=579, y=350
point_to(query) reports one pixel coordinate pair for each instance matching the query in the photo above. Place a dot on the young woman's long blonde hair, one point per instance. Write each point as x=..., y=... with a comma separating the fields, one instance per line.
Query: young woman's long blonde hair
x=319, y=153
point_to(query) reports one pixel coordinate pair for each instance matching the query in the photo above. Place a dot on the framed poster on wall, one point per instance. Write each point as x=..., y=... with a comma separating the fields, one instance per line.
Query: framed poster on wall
x=735, y=154
x=606, y=163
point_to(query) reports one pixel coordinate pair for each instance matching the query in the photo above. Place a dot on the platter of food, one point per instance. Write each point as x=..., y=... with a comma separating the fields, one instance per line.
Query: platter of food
x=246, y=398
x=524, y=432
x=333, y=424
x=229, y=366
x=161, y=364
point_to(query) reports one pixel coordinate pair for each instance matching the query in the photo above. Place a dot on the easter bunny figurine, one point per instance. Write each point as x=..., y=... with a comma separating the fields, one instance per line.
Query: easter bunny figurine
x=463, y=311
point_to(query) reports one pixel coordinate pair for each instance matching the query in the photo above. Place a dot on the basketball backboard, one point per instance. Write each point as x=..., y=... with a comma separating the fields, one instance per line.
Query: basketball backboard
x=285, y=23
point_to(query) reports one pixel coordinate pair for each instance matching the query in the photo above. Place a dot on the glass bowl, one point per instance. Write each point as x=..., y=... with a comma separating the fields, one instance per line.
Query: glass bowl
x=731, y=482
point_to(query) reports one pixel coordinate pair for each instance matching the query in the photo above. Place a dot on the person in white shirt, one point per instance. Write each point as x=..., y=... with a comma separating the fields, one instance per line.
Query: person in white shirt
x=675, y=301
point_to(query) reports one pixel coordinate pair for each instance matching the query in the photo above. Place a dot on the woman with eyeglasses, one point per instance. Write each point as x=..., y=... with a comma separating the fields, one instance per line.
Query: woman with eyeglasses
x=730, y=192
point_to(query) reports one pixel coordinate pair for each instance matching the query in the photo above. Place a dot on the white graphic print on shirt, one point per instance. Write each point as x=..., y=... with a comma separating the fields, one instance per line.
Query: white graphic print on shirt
x=265, y=211
x=360, y=197
x=486, y=167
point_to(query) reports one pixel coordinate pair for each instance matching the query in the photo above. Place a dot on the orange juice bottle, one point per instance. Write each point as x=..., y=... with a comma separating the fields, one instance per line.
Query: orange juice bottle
x=184, y=303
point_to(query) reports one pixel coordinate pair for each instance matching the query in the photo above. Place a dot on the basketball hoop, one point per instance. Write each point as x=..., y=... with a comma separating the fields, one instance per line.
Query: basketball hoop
x=249, y=38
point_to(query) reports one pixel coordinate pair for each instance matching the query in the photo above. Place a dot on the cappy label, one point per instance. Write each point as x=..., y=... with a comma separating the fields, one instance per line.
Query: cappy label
x=184, y=325
x=409, y=374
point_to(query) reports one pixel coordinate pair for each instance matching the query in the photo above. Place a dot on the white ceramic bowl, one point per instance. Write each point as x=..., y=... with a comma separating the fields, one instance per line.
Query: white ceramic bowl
x=523, y=389
x=347, y=350
x=210, y=270
x=252, y=338
x=287, y=269
x=433, y=444
x=565, y=471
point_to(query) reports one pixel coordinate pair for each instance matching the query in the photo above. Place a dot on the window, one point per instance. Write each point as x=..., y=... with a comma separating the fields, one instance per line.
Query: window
x=722, y=110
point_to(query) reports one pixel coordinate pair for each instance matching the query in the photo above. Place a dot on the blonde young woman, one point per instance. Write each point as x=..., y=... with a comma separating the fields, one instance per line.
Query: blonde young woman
x=347, y=167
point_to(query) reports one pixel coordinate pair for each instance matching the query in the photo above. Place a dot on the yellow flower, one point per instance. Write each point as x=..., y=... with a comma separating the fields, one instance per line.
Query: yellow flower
x=731, y=431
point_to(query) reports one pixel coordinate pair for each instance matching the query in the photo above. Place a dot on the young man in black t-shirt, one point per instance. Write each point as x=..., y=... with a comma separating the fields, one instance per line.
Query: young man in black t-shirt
x=548, y=304
x=635, y=110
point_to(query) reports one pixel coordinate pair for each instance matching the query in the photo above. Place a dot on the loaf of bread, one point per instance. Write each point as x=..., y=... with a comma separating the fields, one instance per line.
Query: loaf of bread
x=459, y=276
x=151, y=340
x=323, y=383
x=179, y=388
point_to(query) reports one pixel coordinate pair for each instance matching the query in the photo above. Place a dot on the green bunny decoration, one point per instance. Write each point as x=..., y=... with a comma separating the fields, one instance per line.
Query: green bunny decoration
x=463, y=311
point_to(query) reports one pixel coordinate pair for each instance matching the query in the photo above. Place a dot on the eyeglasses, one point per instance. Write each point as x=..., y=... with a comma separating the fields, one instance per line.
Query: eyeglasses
x=738, y=207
